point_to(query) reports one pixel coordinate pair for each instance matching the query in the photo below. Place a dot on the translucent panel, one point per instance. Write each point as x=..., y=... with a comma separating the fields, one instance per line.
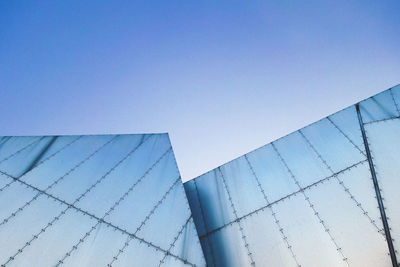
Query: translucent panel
x=359, y=237
x=130, y=176
x=242, y=186
x=385, y=148
x=309, y=239
x=189, y=253
x=94, y=201
x=271, y=172
x=25, y=160
x=139, y=254
x=5, y=181
x=63, y=160
x=172, y=262
x=307, y=199
x=213, y=200
x=48, y=249
x=130, y=213
x=346, y=122
x=208, y=250
x=97, y=250
x=336, y=152
x=176, y=209
x=12, y=198
x=11, y=146
x=197, y=210
x=396, y=97
x=358, y=185
x=264, y=234
x=96, y=169
x=301, y=159
x=25, y=226
x=378, y=107
x=228, y=247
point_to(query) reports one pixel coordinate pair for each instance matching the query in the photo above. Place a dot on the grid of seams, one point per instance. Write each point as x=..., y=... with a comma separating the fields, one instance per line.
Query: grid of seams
x=325, y=195
x=308, y=199
x=100, y=200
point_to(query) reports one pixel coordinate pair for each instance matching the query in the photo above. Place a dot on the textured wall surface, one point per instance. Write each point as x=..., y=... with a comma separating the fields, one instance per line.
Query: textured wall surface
x=308, y=198
x=94, y=201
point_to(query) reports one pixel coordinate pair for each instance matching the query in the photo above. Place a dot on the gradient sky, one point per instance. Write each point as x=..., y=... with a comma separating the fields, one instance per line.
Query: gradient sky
x=222, y=77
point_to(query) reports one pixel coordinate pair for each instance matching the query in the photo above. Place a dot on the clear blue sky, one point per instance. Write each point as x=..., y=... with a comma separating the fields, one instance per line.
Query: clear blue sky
x=222, y=77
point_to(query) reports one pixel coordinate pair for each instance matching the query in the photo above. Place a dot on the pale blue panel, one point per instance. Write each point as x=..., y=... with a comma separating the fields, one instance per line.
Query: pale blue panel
x=271, y=172
x=242, y=186
x=133, y=210
x=378, y=107
x=335, y=151
x=357, y=235
x=308, y=237
x=172, y=262
x=176, y=209
x=346, y=122
x=25, y=160
x=131, y=174
x=12, y=198
x=385, y=148
x=97, y=249
x=11, y=146
x=64, y=159
x=55, y=149
x=208, y=250
x=94, y=201
x=197, y=210
x=308, y=198
x=22, y=229
x=47, y=250
x=301, y=159
x=228, y=247
x=358, y=181
x=214, y=200
x=100, y=168
x=184, y=250
x=5, y=181
x=396, y=97
x=138, y=255
x=264, y=234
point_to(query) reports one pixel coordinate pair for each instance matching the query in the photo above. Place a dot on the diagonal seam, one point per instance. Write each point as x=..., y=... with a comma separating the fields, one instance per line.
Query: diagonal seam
x=273, y=213
x=59, y=179
x=148, y=216
x=340, y=182
x=150, y=244
x=282, y=199
x=241, y=229
x=312, y=206
x=43, y=161
x=82, y=195
x=382, y=120
x=205, y=224
x=22, y=149
x=174, y=241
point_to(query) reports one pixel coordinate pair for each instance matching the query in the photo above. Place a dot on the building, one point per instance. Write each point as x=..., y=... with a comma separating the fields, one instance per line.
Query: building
x=309, y=198
x=325, y=195
x=99, y=200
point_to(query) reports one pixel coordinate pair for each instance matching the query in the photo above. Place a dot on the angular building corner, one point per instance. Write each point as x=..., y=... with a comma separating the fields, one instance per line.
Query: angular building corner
x=325, y=195
x=99, y=200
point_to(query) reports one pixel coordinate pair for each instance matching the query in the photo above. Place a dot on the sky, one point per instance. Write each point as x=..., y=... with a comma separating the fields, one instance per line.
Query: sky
x=221, y=77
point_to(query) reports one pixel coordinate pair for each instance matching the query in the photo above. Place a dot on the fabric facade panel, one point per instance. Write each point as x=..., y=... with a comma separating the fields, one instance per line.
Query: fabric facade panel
x=307, y=199
x=107, y=200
